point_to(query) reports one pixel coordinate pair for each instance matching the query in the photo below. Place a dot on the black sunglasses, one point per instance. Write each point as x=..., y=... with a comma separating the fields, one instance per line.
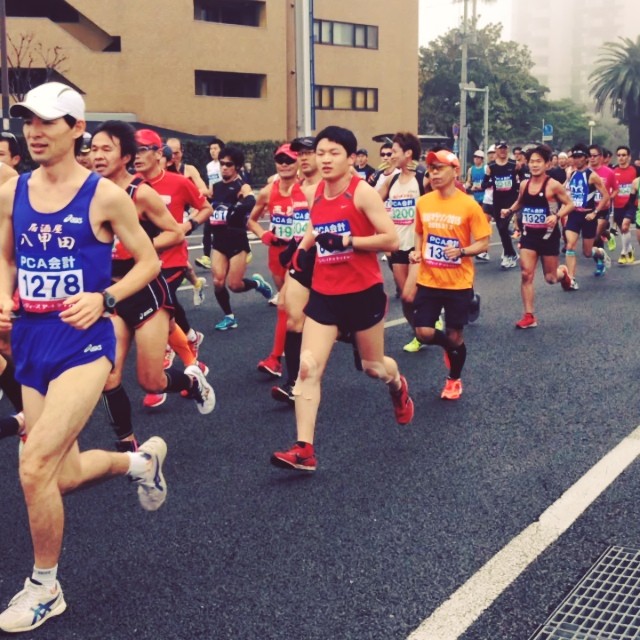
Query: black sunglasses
x=385, y=155
x=283, y=159
x=227, y=164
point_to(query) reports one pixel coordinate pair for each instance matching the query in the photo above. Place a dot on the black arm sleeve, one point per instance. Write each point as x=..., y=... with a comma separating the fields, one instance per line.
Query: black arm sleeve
x=239, y=213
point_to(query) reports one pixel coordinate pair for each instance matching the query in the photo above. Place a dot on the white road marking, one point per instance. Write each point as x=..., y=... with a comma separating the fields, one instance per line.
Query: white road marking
x=453, y=617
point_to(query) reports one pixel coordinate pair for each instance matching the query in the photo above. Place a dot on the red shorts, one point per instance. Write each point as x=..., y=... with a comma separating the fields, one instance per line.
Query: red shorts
x=277, y=270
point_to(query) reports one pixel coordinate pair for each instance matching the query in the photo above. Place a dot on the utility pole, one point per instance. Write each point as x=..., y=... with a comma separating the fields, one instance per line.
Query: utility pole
x=4, y=76
x=463, y=93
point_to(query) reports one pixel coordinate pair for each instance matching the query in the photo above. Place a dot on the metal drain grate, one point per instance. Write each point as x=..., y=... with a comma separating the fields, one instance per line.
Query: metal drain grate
x=604, y=605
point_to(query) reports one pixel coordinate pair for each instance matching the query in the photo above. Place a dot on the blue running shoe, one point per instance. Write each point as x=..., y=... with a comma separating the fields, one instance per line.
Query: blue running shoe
x=263, y=288
x=226, y=323
x=600, y=269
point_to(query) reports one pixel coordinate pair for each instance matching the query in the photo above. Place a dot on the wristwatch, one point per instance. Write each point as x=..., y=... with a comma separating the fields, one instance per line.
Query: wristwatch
x=109, y=302
x=462, y=252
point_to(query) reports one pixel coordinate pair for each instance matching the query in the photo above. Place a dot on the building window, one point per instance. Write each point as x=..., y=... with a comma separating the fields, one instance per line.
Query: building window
x=248, y=13
x=345, y=34
x=226, y=84
x=346, y=98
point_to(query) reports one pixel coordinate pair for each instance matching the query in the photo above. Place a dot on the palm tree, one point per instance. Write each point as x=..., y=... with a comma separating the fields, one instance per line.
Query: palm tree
x=616, y=82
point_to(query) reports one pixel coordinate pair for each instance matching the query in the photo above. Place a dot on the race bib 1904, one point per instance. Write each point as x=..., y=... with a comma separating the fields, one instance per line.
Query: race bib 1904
x=300, y=222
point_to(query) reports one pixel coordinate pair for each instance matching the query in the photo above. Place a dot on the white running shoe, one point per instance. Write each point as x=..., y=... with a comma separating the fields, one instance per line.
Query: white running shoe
x=32, y=607
x=152, y=488
x=274, y=300
x=204, y=395
x=198, y=292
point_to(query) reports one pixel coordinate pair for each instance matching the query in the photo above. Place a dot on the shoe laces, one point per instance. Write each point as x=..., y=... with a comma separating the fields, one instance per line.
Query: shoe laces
x=24, y=600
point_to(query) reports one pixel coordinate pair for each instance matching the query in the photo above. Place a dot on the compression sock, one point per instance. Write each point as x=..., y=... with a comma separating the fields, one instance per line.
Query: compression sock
x=279, y=336
x=249, y=284
x=9, y=426
x=179, y=343
x=222, y=296
x=292, y=346
x=457, y=357
x=118, y=406
x=176, y=381
x=10, y=386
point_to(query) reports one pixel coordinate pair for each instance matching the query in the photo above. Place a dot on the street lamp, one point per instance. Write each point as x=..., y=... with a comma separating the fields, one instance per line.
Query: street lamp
x=472, y=89
x=591, y=125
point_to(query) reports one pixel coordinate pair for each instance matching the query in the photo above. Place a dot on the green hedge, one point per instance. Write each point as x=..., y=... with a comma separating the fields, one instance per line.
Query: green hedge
x=196, y=152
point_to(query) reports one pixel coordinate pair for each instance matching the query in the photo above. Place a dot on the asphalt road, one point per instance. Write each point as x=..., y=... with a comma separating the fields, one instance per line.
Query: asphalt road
x=395, y=520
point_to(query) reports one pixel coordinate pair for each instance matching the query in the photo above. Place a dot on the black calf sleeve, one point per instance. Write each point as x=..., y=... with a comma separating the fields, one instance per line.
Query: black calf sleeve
x=10, y=386
x=222, y=296
x=457, y=357
x=292, y=347
x=118, y=406
x=177, y=381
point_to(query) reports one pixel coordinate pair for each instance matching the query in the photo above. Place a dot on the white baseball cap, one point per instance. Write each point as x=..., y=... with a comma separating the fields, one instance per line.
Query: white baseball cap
x=50, y=101
x=478, y=154
x=491, y=149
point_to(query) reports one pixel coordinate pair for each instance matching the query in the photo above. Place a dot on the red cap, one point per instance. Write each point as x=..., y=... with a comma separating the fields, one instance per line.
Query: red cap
x=286, y=150
x=148, y=138
x=444, y=156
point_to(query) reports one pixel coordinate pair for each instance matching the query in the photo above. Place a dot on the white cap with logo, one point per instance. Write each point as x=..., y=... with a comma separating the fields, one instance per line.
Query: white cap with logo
x=50, y=101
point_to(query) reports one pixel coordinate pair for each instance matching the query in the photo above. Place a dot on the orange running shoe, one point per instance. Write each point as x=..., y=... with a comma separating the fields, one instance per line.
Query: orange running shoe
x=452, y=389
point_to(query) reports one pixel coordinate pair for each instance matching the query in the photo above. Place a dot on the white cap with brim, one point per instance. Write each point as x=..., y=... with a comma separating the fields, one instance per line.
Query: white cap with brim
x=50, y=101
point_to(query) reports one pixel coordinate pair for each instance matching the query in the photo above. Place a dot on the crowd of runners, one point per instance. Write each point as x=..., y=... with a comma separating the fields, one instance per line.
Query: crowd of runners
x=93, y=249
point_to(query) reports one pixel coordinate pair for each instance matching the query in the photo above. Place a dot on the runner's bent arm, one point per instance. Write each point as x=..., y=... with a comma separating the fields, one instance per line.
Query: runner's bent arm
x=367, y=200
x=112, y=207
x=562, y=196
x=7, y=255
x=517, y=204
x=261, y=204
x=194, y=175
x=596, y=180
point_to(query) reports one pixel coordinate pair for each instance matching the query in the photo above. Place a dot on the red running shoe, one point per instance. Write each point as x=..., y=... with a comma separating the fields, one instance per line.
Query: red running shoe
x=528, y=321
x=271, y=365
x=301, y=456
x=452, y=389
x=402, y=403
x=565, y=283
x=152, y=400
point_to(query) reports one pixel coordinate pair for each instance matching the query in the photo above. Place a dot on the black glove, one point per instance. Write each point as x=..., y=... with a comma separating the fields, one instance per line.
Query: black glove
x=286, y=256
x=330, y=241
x=300, y=260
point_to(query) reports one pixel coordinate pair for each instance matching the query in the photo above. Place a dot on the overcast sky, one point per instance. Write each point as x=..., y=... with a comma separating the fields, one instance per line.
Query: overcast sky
x=438, y=16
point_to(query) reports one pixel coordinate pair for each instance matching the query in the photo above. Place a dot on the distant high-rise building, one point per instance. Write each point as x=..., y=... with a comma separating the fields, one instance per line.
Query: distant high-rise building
x=565, y=39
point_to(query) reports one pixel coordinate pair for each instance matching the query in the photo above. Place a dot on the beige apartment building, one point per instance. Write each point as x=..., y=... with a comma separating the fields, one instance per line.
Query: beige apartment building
x=229, y=66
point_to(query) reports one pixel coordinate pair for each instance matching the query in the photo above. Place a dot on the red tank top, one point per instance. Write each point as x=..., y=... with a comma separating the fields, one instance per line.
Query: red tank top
x=347, y=271
x=289, y=214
